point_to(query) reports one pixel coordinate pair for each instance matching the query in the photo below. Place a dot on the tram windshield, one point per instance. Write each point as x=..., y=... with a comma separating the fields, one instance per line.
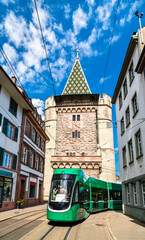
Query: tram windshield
x=61, y=190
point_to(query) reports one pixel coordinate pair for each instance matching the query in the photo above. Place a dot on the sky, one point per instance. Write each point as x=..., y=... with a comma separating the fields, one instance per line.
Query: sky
x=67, y=25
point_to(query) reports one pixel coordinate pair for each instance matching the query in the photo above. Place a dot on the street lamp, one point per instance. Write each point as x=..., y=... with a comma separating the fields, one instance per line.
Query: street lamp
x=140, y=16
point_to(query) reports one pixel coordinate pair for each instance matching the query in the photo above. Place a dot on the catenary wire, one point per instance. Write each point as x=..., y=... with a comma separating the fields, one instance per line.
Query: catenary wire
x=110, y=46
x=44, y=46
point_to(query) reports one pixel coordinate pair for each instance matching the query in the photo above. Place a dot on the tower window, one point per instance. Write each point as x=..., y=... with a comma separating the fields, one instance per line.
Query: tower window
x=78, y=117
x=74, y=117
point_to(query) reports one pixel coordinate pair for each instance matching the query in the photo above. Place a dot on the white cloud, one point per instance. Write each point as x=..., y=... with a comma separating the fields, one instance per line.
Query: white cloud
x=133, y=8
x=115, y=38
x=104, y=14
x=79, y=20
x=104, y=79
x=91, y=2
x=39, y=104
x=122, y=21
x=15, y=28
x=67, y=11
x=6, y=2
x=10, y=52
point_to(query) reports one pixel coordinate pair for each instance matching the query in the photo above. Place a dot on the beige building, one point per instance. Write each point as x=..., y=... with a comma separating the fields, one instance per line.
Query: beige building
x=79, y=125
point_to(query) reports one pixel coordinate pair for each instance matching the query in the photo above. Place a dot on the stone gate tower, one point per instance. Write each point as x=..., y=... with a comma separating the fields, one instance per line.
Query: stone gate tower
x=79, y=125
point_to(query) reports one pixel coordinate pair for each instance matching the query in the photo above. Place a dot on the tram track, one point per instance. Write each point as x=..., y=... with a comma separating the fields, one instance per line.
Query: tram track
x=8, y=218
x=46, y=235
x=20, y=223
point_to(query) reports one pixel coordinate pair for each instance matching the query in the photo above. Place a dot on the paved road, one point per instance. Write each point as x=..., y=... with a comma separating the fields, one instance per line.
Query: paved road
x=109, y=225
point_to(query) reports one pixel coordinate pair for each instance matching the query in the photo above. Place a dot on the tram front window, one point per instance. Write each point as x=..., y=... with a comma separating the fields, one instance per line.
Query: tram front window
x=61, y=190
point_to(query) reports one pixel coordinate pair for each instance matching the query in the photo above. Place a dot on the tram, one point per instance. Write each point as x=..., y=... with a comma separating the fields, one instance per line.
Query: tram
x=74, y=197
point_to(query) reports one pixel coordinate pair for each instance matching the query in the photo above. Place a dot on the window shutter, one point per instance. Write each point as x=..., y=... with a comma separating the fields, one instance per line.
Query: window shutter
x=0, y=119
x=5, y=126
x=14, y=165
x=1, y=156
x=16, y=134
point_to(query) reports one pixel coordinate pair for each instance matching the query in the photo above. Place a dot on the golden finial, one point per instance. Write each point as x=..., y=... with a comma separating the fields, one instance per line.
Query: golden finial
x=77, y=52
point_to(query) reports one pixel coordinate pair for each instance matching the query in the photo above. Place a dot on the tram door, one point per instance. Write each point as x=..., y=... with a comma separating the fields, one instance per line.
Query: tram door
x=81, y=200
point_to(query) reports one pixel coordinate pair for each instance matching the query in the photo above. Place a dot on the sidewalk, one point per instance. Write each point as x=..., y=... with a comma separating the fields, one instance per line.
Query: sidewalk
x=122, y=227
x=16, y=212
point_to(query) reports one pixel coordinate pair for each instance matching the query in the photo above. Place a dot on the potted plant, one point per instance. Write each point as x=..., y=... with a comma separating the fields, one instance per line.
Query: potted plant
x=19, y=203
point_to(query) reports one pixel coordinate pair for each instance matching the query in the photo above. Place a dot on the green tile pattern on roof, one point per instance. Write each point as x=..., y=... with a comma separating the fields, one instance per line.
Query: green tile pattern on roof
x=76, y=83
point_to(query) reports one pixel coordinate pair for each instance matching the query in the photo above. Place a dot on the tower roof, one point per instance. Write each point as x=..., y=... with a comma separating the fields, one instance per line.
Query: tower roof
x=76, y=83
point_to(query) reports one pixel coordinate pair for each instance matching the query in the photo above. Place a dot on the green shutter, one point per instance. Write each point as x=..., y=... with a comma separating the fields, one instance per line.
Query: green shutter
x=14, y=165
x=1, y=156
x=5, y=125
x=0, y=119
x=16, y=134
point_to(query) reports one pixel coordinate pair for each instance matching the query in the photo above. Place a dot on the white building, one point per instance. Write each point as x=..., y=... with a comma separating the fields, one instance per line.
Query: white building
x=12, y=104
x=129, y=100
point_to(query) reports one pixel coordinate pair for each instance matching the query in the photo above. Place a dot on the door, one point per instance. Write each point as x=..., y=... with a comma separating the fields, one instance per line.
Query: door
x=39, y=198
x=22, y=191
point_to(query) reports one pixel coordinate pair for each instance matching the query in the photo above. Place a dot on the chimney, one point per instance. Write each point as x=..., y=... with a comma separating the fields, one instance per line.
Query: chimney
x=14, y=79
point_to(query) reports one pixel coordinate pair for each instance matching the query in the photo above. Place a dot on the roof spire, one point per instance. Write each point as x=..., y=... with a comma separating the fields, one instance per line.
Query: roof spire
x=77, y=52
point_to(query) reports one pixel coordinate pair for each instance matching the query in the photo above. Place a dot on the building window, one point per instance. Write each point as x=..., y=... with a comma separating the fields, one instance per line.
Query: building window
x=25, y=155
x=70, y=154
x=78, y=117
x=143, y=192
x=33, y=135
x=130, y=150
x=7, y=160
x=37, y=163
x=6, y=187
x=122, y=126
x=138, y=144
x=124, y=156
x=134, y=105
x=74, y=154
x=32, y=190
x=13, y=107
x=38, y=141
x=120, y=100
x=78, y=134
x=10, y=130
x=73, y=117
x=131, y=73
x=135, y=193
x=83, y=154
x=42, y=145
x=41, y=166
x=73, y=135
x=128, y=194
x=125, y=90
x=31, y=160
x=67, y=154
x=28, y=128
x=127, y=114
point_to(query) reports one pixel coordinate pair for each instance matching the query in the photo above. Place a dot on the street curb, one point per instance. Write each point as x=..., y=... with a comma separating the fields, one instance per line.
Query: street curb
x=109, y=228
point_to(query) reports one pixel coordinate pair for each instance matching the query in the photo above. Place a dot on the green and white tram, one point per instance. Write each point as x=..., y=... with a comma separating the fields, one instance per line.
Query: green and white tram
x=73, y=197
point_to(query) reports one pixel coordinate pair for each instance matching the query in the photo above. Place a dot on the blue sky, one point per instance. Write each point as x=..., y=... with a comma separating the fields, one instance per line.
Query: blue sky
x=66, y=25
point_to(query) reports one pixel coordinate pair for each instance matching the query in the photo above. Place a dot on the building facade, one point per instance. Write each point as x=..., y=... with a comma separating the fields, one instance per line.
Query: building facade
x=12, y=104
x=32, y=157
x=129, y=100
x=79, y=125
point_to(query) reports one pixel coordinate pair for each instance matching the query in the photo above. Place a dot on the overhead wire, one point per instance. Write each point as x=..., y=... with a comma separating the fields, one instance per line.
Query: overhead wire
x=110, y=46
x=44, y=46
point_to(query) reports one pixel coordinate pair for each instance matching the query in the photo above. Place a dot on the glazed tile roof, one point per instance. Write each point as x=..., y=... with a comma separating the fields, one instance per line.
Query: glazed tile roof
x=76, y=83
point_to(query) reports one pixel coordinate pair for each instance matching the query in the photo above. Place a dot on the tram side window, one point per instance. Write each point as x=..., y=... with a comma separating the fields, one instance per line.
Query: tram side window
x=115, y=195
x=87, y=195
x=105, y=195
x=76, y=194
x=99, y=194
x=81, y=192
x=94, y=194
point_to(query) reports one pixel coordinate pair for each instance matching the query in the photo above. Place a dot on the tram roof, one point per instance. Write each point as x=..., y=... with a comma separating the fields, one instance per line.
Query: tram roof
x=97, y=183
x=115, y=186
x=76, y=171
